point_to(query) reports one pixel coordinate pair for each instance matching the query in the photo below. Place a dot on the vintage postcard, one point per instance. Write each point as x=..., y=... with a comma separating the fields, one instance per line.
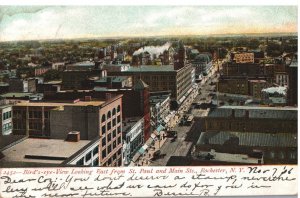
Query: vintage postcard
x=148, y=100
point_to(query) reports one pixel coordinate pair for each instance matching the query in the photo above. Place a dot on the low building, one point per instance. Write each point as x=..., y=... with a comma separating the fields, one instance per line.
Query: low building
x=22, y=85
x=113, y=82
x=252, y=119
x=256, y=87
x=275, y=95
x=133, y=137
x=247, y=147
x=233, y=85
x=83, y=66
x=31, y=152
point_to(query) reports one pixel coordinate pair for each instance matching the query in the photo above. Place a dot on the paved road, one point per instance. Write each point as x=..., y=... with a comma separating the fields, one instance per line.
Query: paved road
x=180, y=147
x=187, y=136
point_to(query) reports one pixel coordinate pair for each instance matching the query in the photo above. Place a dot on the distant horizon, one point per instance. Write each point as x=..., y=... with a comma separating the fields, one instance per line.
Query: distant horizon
x=20, y=23
x=275, y=34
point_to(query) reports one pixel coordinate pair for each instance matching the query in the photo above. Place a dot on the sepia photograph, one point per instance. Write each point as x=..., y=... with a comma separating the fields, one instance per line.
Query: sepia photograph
x=148, y=100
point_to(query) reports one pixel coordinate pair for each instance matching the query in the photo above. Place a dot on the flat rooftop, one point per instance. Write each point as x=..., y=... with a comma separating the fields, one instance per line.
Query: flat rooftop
x=57, y=104
x=83, y=64
x=151, y=68
x=42, y=148
x=15, y=94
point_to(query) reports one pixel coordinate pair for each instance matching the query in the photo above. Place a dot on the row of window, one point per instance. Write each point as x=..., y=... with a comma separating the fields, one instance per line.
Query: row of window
x=7, y=126
x=108, y=126
x=88, y=157
x=113, y=158
x=6, y=115
x=282, y=155
x=106, y=151
x=110, y=113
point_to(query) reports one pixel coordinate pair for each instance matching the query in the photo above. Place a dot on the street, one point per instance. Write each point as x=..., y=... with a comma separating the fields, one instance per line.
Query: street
x=187, y=136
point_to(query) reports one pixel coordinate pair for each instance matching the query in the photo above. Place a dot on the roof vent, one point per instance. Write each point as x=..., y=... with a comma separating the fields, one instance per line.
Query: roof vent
x=73, y=136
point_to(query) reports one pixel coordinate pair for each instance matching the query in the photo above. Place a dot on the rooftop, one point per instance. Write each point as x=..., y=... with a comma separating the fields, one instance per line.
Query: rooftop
x=113, y=79
x=6, y=140
x=83, y=64
x=129, y=122
x=54, y=104
x=60, y=150
x=286, y=113
x=15, y=94
x=249, y=139
x=151, y=68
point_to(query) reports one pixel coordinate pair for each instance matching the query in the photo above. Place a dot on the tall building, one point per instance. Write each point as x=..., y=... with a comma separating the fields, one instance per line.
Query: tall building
x=292, y=94
x=90, y=118
x=163, y=78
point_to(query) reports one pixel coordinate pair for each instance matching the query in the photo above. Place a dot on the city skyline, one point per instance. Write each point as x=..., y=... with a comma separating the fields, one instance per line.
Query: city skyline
x=71, y=22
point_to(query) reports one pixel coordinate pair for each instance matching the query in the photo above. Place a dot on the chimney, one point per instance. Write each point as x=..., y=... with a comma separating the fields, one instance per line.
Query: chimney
x=87, y=98
x=73, y=136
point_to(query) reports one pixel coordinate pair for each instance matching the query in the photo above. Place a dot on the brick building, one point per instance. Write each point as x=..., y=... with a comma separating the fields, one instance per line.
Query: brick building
x=256, y=87
x=91, y=118
x=135, y=101
x=163, y=78
x=268, y=134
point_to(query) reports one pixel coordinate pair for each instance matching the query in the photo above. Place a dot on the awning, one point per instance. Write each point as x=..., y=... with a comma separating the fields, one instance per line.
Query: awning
x=153, y=135
x=181, y=99
x=159, y=128
x=136, y=157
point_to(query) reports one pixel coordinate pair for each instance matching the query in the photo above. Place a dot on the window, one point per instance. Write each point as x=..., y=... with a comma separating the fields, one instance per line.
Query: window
x=118, y=108
x=103, y=118
x=114, y=111
x=108, y=115
x=114, y=144
x=119, y=129
x=96, y=162
x=103, y=142
x=293, y=155
x=114, y=156
x=103, y=129
x=46, y=114
x=119, y=140
x=88, y=156
x=108, y=126
x=114, y=133
x=120, y=162
x=95, y=150
x=80, y=162
x=30, y=114
x=108, y=149
x=109, y=137
x=119, y=151
x=119, y=119
x=104, y=153
x=114, y=122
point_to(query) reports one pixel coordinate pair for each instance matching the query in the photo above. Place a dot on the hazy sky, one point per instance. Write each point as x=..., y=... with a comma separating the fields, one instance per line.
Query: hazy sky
x=24, y=23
